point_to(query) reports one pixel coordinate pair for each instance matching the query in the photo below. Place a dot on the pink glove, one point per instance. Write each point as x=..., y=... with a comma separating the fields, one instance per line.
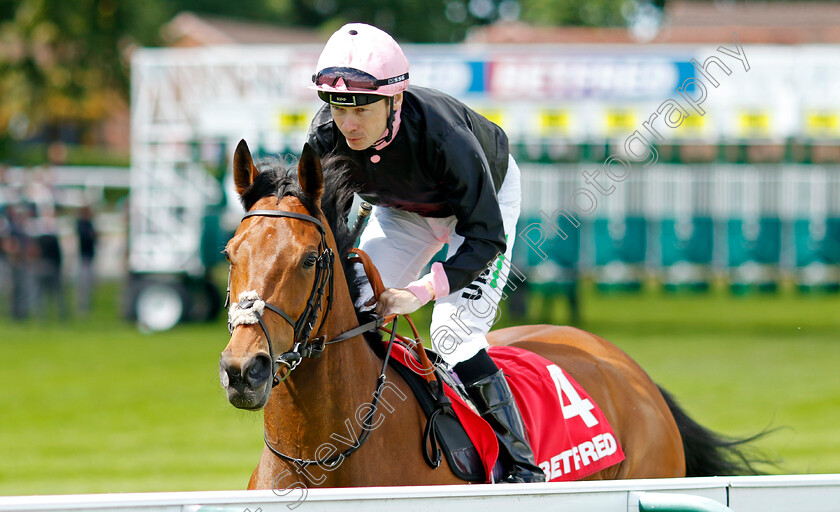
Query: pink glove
x=433, y=285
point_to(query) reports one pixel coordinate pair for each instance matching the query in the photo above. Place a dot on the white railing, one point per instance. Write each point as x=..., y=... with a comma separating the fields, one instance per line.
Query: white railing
x=807, y=493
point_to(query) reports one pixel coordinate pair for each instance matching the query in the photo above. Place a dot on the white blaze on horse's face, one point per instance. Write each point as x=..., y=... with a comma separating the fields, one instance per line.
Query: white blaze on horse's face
x=272, y=261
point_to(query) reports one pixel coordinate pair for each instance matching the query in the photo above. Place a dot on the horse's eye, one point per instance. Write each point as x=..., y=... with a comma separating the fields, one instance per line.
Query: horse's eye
x=226, y=255
x=310, y=261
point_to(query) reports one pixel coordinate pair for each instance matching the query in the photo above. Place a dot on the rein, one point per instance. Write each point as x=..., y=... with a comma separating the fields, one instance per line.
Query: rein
x=366, y=429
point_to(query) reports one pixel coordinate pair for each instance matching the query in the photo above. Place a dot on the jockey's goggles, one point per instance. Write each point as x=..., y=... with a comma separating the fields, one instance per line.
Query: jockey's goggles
x=343, y=99
x=354, y=78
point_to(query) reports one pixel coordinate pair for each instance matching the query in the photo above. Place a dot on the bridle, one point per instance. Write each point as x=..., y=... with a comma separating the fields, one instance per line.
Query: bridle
x=303, y=345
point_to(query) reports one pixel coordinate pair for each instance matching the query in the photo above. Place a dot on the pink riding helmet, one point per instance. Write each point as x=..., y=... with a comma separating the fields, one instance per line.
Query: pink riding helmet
x=367, y=49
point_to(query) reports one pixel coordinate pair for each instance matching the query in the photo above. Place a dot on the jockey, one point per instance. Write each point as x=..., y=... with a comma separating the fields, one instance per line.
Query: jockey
x=438, y=173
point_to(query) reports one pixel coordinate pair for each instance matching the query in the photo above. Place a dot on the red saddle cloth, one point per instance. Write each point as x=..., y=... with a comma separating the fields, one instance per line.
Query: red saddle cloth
x=569, y=434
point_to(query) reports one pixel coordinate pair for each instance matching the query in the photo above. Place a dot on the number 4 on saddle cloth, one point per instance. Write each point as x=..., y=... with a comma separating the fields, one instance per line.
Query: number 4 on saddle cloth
x=569, y=435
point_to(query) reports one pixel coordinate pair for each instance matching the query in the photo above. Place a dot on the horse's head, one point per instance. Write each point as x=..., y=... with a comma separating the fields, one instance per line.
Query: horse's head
x=278, y=273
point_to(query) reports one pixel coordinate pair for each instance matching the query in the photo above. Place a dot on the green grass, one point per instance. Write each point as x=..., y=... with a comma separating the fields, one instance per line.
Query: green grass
x=96, y=406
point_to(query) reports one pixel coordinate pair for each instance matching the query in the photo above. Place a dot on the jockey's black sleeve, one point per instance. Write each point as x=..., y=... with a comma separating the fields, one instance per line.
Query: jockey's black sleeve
x=469, y=187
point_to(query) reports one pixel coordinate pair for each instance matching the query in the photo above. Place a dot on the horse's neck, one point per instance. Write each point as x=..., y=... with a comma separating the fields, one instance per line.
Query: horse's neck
x=322, y=396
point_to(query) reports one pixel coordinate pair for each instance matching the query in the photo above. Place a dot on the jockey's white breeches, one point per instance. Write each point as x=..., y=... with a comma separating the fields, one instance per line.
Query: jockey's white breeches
x=402, y=243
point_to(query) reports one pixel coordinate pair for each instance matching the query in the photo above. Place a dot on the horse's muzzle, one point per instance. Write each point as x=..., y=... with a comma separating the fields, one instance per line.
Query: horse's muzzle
x=247, y=381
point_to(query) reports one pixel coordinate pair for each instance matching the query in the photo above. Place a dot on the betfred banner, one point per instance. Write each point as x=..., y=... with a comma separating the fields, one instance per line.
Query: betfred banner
x=544, y=77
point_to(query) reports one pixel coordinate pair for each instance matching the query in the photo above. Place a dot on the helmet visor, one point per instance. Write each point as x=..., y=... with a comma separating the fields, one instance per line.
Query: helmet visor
x=353, y=78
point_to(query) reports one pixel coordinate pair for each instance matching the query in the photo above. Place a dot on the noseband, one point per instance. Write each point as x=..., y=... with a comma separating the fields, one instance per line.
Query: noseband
x=249, y=308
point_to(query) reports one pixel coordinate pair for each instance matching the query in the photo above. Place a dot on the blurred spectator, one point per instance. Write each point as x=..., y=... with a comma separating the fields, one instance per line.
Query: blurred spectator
x=20, y=252
x=87, y=250
x=5, y=277
x=50, y=286
x=5, y=274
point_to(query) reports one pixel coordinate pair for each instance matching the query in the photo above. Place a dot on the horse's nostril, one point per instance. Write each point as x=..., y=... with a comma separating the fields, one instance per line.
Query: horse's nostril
x=258, y=371
x=223, y=376
x=229, y=373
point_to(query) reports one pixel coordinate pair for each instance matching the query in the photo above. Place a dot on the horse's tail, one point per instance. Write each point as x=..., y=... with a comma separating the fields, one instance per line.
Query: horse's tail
x=708, y=453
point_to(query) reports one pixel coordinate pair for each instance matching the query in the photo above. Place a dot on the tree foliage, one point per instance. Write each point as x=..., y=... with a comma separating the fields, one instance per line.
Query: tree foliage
x=64, y=60
x=570, y=12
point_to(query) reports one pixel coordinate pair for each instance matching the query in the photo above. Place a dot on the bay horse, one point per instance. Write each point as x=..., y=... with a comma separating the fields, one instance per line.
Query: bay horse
x=292, y=296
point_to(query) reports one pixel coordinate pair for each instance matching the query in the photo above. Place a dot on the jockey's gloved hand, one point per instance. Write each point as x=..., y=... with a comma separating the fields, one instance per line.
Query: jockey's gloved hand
x=397, y=301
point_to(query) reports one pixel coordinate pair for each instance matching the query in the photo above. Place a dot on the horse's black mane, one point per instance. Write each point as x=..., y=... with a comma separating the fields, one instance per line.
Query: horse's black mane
x=279, y=178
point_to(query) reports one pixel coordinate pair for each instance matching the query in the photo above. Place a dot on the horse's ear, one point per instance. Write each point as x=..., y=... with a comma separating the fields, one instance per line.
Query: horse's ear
x=244, y=170
x=310, y=175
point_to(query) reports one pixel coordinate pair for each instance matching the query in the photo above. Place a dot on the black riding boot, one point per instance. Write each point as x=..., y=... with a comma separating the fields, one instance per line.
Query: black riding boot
x=496, y=404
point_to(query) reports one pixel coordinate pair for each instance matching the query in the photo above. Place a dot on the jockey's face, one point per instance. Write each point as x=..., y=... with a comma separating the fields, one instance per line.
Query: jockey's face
x=362, y=126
